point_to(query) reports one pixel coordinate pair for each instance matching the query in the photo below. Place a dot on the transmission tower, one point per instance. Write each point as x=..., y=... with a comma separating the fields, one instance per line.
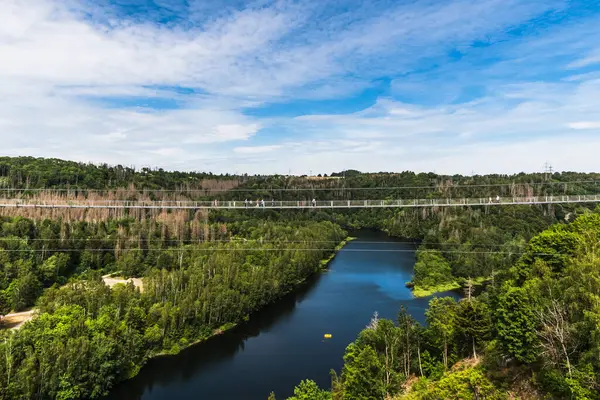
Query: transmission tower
x=548, y=170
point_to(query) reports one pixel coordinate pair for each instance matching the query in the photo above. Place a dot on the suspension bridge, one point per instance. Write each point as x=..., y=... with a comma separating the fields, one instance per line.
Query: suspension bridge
x=297, y=204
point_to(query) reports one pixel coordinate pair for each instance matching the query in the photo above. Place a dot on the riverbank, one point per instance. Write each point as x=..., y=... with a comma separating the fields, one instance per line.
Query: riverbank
x=284, y=341
x=425, y=291
x=325, y=263
x=181, y=345
x=420, y=291
x=16, y=320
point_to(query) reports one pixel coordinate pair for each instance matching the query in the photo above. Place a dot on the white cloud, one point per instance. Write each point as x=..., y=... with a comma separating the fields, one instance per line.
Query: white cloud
x=234, y=132
x=488, y=135
x=224, y=133
x=584, y=125
x=540, y=110
x=112, y=137
x=248, y=52
x=584, y=62
x=504, y=157
x=256, y=149
x=68, y=84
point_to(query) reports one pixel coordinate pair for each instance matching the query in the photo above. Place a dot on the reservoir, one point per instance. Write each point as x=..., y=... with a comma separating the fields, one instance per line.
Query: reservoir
x=283, y=343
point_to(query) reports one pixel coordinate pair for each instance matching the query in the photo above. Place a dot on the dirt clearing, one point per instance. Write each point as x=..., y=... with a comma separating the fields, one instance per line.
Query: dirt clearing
x=113, y=280
x=16, y=320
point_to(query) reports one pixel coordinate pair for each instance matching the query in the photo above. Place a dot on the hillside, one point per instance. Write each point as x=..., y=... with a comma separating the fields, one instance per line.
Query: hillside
x=533, y=333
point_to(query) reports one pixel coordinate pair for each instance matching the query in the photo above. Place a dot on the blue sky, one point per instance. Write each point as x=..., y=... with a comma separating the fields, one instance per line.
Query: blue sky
x=270, y=86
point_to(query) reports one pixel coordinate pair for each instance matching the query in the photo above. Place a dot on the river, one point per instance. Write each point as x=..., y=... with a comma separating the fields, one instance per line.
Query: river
x=283, y=344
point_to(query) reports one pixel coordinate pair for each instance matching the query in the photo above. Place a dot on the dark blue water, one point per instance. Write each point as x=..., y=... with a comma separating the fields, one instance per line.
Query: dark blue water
x=283, y=344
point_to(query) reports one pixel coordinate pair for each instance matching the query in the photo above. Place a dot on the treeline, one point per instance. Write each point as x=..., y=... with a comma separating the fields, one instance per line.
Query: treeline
x=411, y=185
x=53, y=173
x=88, y=337
x=157, y=184
x=534, y=333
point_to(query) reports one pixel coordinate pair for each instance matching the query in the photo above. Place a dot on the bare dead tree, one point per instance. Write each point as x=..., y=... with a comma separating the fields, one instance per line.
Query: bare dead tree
x=374, y=321
x=469, y=289
x=556, y=335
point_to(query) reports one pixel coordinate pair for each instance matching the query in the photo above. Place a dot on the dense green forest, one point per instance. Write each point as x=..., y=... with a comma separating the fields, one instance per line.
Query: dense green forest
x=88, y=337
x=203, y=271
x=52, y=173
x=477, y=243
x=534, y=333
x=38, y=254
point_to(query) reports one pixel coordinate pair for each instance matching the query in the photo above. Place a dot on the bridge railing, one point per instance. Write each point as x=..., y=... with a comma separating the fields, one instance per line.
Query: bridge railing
x=34, y=203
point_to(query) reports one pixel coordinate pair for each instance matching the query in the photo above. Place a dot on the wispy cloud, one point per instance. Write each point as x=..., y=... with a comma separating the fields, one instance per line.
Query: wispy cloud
x=584, y=62
x=171, y=84
x=584, y=125
x=256, y=149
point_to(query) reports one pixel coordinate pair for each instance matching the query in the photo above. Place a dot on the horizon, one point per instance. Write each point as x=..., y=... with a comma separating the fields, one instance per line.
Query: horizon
x=548, y=170
x=271, y=86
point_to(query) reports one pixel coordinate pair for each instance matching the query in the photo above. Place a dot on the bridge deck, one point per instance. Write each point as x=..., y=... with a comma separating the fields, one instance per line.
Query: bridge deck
x=325, y=204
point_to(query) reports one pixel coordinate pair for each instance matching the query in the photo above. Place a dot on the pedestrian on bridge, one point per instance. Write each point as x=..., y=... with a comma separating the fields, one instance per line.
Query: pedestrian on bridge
x=314, y=202
x=262, y=203
x=246, y=203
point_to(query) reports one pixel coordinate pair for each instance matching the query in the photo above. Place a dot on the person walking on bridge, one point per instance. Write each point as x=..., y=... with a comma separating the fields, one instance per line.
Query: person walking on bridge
x=262, y=203
x=314, y=202
x=246, y=203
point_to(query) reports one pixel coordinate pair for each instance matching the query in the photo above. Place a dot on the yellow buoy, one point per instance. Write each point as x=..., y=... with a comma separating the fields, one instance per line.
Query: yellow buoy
x=327, y=336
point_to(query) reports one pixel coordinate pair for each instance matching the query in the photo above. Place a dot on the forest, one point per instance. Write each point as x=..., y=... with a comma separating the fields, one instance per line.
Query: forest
x=52, y=173
x=87, y=337
x=533, y=333
x=527, y=326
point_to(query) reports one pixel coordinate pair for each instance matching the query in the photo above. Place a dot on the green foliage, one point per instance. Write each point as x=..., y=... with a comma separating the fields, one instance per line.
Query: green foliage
x=5, y=304
x=467, y=383
x=431, y=269
x=554, y=248
x=387, y=340
x=362, y=374
x=582, y=382
x=23, y=291
x=53, y=268
x=433, y=367
x=441, y=321
x=308, y=390
x=473, y=323
x=89, y=337
x=30, y=172
x=515, y=323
